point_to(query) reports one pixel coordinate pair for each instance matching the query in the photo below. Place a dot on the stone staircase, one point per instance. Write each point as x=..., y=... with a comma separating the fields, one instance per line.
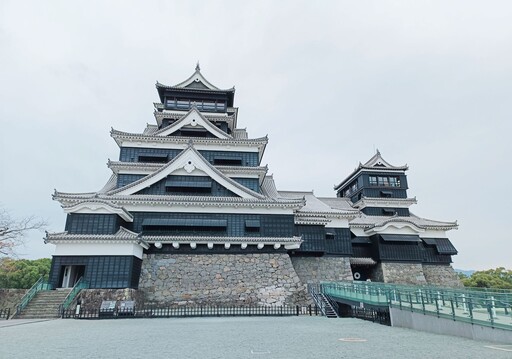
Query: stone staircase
x=45, y=304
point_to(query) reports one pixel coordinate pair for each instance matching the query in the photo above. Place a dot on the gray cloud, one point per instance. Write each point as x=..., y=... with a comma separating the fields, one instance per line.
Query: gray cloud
x=428, y=83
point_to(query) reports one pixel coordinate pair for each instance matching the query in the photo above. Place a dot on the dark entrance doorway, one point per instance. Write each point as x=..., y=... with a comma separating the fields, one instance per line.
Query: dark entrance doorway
x=70, y=274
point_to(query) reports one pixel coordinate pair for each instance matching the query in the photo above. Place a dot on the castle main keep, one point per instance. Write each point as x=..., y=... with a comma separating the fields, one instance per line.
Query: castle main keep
x=190, y=215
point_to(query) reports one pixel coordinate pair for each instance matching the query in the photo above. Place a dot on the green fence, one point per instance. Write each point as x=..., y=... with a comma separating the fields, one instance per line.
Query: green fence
x=487, y=307
x=81, y=284
x=38, y=286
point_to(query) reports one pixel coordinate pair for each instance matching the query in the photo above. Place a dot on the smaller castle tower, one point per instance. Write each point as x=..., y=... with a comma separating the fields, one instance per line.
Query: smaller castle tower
x=404, y=247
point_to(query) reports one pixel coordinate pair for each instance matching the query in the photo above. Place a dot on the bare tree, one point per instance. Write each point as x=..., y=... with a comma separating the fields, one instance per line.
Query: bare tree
x=13, y=231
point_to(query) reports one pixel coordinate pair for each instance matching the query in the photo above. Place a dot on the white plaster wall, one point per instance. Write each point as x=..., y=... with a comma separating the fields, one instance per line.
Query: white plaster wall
x=431, y=233
x=98, y=249
x=337, y=223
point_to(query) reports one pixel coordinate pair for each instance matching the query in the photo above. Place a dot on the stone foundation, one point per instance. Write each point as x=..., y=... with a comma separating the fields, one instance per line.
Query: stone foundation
x=90, y=299
x=221, y=279
x=318, y=269
x=10, y=298
x=400, y=273
x=441, y=275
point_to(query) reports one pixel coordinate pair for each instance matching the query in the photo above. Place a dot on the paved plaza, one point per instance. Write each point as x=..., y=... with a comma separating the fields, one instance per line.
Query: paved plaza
x=240, y=337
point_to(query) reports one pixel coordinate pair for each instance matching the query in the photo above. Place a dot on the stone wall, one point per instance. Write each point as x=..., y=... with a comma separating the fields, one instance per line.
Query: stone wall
x=221, y=279
x=90, y=299
x=318, y=269
x=441, y=275
x=400, y=273
x=10, y=298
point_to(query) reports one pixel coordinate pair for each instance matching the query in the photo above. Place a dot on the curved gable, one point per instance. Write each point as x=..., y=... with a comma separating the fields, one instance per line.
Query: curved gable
x=193, y=118
x=189, y=162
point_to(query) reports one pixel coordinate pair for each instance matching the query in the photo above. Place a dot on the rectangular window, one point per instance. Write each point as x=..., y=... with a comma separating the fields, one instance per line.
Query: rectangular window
x=193, y=132
x=386, y=194
x=352, y=189
x=184, y=225
x=190, y=185
x=388, y=212
x=330, y=236
x=209, y=106
x=384, y=181
x=394, y=181
x=153, y=158
x=171, y=103
x=225, y=161
x=252, y=225
x=183, y=104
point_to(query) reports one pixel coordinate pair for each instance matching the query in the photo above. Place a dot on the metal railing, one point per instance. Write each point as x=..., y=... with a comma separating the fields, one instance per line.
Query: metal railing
x=314, y=290
x=492, y=308
x=79, y=285
x=332, y=303
x=5, y=313
x=38, y=286
x=189, y=311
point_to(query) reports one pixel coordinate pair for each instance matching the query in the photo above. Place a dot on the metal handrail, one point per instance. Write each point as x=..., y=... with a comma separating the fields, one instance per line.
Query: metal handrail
x=38, y=286
x=314, y=290
x=487, y=308
x=329, y=302
x=79, y=285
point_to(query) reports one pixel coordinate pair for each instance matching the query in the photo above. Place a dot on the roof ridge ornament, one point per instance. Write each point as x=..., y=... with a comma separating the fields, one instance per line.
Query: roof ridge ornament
x=198, y=68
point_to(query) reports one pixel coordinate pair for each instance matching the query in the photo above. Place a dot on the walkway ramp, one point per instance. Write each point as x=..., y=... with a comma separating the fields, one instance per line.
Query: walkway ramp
x=485, y=307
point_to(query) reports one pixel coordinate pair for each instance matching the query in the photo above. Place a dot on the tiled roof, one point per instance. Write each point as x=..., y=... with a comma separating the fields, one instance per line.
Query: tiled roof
x=196, y=77
x=110, y=185
x=369, y=222
x=376, y=163
x=340, y=203
x=362, y=261
x=257, y=199
x=316, y=205
x=120, y=135
x=146, y=167
x=203, y=160
x=240, y=133
x=150, y=130
x=202, y=121
x=96, y=203
x=269, y=187
x=122, y=235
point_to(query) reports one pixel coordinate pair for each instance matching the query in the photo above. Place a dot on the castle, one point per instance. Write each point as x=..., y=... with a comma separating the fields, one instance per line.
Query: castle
x=190, y=215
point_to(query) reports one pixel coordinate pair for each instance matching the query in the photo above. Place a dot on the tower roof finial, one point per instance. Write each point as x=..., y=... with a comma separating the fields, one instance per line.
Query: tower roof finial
x=198, y=68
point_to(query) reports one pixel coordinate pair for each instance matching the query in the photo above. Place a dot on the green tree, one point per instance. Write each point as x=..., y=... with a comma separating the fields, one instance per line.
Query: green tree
x=462, y=276
x=492, y=278
x=22, y=273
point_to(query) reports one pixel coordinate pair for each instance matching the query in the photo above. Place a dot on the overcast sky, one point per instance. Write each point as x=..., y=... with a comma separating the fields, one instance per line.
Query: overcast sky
x=428, y=83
